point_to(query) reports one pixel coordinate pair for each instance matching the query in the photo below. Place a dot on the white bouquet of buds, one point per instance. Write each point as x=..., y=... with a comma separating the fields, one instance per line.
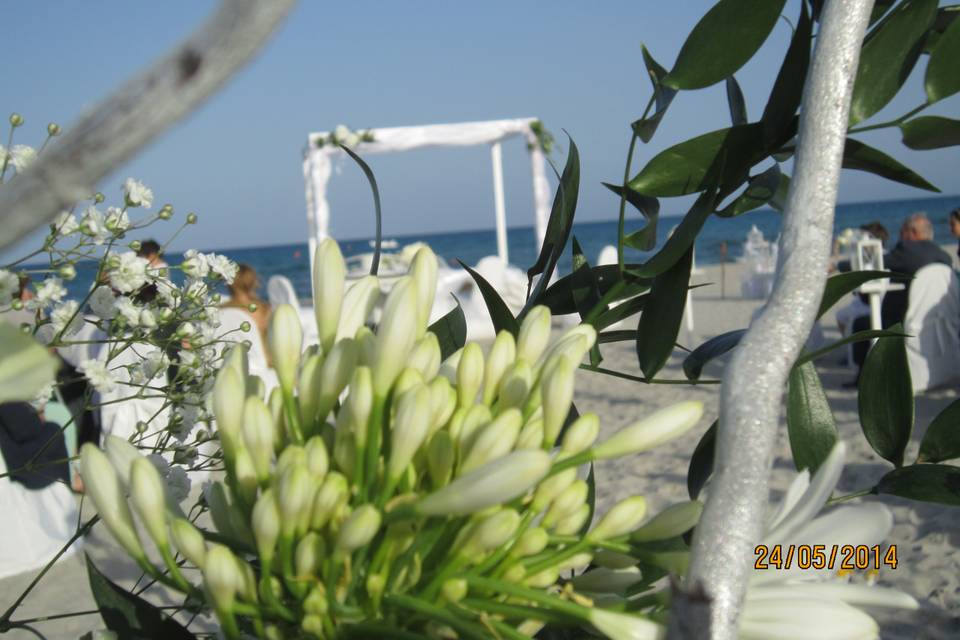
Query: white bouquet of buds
x=382, y=492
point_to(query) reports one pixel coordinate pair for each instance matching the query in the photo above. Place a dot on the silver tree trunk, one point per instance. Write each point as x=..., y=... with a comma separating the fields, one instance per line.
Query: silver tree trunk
x=140, y=110
x=708, y=605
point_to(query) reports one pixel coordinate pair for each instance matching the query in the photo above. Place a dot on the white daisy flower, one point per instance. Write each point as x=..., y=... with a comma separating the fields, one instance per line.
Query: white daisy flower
x=103, y=303
x=222, y=266
x=797, y=603
x=117, y=219
x=9, y=286
x=65, y=224
x=137, y=194
x=195, y=264
x=97, y=373
x=130, y=273
x=22, y=156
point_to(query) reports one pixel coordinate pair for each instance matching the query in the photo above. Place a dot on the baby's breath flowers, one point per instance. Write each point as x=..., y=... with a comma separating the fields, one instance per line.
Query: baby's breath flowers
x=381, y=487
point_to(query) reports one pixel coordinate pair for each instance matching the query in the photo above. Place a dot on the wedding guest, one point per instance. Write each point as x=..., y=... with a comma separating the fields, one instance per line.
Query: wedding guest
x=243, y=293
x=955, y=225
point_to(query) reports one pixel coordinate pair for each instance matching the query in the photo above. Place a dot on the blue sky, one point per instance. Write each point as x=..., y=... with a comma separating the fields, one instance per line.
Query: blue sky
x=237, y=160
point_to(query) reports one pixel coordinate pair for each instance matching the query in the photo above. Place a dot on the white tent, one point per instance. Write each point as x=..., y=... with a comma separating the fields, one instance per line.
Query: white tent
x=318, y=156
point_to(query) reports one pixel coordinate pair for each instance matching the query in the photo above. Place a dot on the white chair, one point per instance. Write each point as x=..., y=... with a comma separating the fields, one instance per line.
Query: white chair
x=280, y=291
x=231, y=321
x=933, y=322
x=120, y=409
x=37, y=523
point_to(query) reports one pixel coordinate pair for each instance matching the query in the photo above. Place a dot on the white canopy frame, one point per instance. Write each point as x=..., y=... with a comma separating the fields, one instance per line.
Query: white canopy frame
x=317, y=163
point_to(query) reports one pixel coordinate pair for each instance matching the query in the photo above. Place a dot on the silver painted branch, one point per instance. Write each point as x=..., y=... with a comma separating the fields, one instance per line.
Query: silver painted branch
x=138, y=112
x=754, y=381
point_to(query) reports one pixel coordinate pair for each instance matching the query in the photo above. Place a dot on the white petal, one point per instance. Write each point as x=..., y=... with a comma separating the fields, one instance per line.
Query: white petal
x=790, y=498
x=813, y=499
x=793, y=619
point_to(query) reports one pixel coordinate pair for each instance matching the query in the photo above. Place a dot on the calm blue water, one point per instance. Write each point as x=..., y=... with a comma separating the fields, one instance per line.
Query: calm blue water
x=292, y=260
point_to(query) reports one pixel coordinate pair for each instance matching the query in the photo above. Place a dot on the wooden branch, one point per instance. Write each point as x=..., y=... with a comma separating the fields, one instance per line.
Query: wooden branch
x=142, y=109
x=753, y=384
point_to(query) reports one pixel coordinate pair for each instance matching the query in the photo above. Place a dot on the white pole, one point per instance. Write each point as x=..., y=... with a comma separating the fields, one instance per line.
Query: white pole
x=497, y=157
x=541, y=191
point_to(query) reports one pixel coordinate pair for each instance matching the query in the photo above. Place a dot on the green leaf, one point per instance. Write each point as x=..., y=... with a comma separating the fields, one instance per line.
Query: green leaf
x=451, y=331
x=499, y=311
x=888, y=55
x=946, y=16
x=841, y=284
x=722, y=42
x=26, y=367
x=660, y=321
x=942, y=79
x=621, y=311
x=646, y=238
x=779, y=199
x=662, y=95
x=931, y=132
x=711, y=349
x=885, y=398
x=760, y=190
x=722, y=156
x=942, y=439
x=681, y=240
x=738, y=107
x=810, y=423
x=586, y=293
x=591, y=501
x=938, y=483
x=859, y=336
x=559, y=296
x=378, y=235
x=857, y=155
x=701, y=462
x=131, y=617
x=558, y=226
x=787, y=89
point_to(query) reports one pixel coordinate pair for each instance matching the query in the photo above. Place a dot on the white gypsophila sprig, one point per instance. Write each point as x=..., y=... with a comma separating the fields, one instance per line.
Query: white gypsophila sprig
x=128, y=310
x=117, y=219
x=66, y=319
x=137, y=194
x=195, y=264
x=222, y=266
x=50, y=292
x=22, y=156
x=65, y=223
x=129, y=272
x=99, y=375
x=103, y=303
x=92, y=225
x=9, y=286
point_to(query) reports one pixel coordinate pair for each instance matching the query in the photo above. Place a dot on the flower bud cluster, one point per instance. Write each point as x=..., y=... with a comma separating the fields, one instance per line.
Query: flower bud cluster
x=379, y=472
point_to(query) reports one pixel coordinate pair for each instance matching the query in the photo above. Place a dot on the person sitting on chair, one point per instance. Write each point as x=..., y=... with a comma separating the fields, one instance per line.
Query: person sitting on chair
x=243, y=293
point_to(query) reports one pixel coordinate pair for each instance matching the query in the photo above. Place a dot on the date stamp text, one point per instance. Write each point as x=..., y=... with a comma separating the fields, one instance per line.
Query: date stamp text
x=846, y=557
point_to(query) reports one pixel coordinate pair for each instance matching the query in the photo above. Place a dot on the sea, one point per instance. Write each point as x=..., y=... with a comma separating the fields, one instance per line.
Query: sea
x=292, y=260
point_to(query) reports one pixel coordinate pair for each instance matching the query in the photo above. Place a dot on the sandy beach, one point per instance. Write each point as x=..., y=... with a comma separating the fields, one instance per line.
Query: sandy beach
x=927, y=536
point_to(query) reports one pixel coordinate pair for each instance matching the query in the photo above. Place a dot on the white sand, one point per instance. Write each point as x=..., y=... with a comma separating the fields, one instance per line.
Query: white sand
x=927, y=536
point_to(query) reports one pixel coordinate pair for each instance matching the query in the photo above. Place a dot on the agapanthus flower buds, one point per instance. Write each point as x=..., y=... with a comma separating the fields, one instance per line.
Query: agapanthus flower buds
x=566, y=503
x=188, y=541
x=295, y=496
x=623, y=626
x=515, y=385
x=396, y=334
x=359, y=528
x=332, y=493
x=359, y=404
x=358, y=303
x=502, y=354
x=557, y=390
x=103, y=487
x=603, y=580
x=286, y=340
x=534, y=334
x=221, y=577
x=573, y=523
x=469, y=374
x=531, y=435
x=651, y=431
x=310, y=551
x=493, y=531
x=318, y=460
x=493, y=441
x=580, y=435
x=409, y=429
x=335, y=373
x=259, y=436
x=531, y=542
x=673, y=521
x=454, y=589
x=440, y=458
x=621, y=519
x=423, y=269
x=329, y=273
x=552, y=487
x=229, y=393
x=425, y=356
x=494, y=483
x=147, y=493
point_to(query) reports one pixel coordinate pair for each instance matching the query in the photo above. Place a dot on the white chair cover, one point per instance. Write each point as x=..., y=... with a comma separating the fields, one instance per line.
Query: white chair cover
x=608, y=255
x=280, y=291
x=760, y=262
x=37, y=523
x=933, y=322
x=231, y=319
x=509, y=282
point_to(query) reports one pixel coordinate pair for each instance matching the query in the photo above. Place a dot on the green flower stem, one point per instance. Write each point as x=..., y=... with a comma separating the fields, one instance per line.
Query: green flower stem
x=290, y=581
x=518, y=611
x=573, y=461
x=891, y=123
x=558, y=557
x=497, y=628
x=270, y=598
x=451, y=567
x=850, y=496
x=627, y=376
x=552, y=603
x=228, y=622
x=374, y=428
x=366, y=630
x=467, y=629
x=609, y=545
x=292, y=414
x=182, y=583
